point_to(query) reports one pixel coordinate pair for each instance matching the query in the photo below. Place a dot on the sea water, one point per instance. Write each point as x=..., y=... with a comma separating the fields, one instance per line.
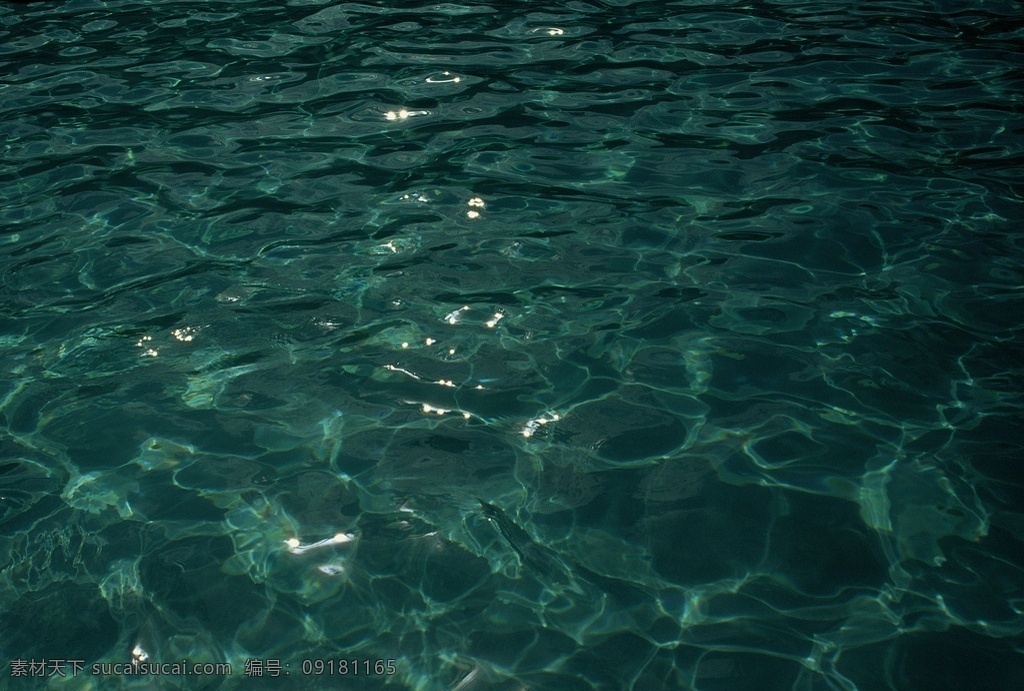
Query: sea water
x=589, y=345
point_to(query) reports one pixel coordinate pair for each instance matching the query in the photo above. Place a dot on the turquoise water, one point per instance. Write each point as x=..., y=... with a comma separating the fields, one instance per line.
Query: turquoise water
x=584, y=345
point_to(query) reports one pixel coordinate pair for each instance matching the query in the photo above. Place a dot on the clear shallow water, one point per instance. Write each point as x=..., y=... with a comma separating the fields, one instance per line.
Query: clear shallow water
x=623, y=345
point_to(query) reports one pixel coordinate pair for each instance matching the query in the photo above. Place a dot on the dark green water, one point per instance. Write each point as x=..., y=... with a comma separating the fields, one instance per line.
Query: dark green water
x=623, y=345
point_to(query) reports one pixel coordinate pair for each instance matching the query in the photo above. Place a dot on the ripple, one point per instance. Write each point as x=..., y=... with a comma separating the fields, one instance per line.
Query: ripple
x=583, y=346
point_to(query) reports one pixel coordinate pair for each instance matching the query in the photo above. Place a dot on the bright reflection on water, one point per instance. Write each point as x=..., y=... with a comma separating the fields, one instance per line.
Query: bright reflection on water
x=586, y=345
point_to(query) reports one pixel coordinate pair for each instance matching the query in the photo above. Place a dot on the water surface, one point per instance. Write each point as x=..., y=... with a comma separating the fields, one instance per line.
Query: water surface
x=585, y=345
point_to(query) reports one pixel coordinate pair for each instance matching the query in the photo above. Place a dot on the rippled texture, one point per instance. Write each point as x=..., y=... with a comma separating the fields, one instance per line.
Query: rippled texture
x=621, y=344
